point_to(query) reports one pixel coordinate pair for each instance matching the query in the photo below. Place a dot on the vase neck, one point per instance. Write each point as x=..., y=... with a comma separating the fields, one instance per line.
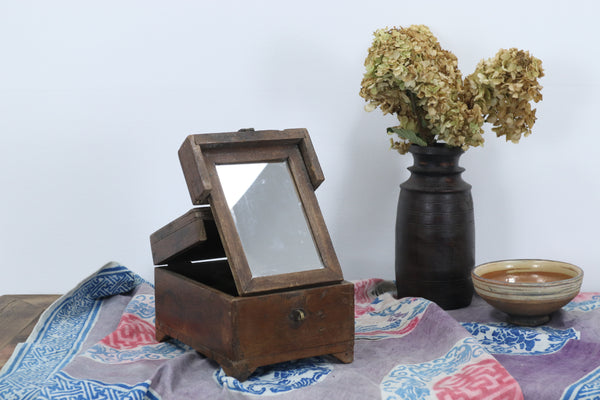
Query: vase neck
x=436, y=160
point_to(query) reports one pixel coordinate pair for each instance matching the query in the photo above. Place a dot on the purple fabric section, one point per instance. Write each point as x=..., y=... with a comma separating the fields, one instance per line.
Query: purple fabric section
x=189, y=374
x=405, y=348
x=435, y=334
x=546, y=376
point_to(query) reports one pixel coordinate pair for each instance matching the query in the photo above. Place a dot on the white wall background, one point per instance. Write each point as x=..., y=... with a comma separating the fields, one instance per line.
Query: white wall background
x=97, y=96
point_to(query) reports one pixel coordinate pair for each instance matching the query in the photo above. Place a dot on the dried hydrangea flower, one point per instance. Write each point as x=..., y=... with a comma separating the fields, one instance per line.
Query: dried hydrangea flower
x=504, y=87
x=409, y=74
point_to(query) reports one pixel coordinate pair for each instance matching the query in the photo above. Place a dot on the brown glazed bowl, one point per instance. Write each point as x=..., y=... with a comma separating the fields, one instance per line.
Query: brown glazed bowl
x=527, y=290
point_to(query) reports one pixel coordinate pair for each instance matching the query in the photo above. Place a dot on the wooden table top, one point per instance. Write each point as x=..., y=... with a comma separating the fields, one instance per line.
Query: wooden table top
x=18, y=316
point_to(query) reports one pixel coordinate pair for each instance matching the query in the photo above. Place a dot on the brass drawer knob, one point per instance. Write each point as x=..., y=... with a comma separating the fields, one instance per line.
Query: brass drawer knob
x=297, y=315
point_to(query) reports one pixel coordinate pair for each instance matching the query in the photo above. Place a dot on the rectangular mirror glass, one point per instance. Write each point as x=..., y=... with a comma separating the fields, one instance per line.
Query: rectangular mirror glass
x=269, y=218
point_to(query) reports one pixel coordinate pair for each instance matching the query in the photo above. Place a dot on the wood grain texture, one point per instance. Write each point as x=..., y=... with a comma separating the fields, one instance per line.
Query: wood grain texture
x=191, y=237
x=194, y=171
x=18, y=316
x=242, y=333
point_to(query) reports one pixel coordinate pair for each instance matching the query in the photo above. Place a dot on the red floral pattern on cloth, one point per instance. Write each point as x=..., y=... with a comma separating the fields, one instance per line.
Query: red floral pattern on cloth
x=363, y=296
x=382, y=316
x=134, y=338
x=486, y=379
x=131, y=332
x=390, y=333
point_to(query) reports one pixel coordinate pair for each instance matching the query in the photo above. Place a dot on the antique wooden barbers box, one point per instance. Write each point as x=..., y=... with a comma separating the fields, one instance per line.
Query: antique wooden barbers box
x=250, y=277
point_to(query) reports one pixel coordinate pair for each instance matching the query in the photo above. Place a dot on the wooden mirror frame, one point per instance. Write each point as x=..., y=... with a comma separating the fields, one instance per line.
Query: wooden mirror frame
x=200, y=154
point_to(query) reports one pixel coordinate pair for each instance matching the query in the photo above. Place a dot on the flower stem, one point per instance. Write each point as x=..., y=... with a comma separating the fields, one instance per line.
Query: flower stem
x=423, y=132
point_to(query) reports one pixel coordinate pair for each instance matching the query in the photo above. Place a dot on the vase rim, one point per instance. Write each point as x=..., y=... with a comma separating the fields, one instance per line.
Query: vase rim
x=435, y=148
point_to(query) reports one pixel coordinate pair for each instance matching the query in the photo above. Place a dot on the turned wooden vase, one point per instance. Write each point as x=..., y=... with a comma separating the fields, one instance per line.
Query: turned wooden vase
x=435, y=229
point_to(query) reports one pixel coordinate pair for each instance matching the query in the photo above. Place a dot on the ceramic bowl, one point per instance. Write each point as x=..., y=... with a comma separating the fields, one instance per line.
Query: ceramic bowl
x=527, y=290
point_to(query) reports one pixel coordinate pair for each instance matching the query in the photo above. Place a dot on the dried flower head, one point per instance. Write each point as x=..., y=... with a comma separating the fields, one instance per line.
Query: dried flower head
x=504, y=86
x=409, y=74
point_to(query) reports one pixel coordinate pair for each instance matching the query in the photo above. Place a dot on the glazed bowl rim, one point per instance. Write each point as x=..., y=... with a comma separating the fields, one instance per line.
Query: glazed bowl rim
x=561, y=282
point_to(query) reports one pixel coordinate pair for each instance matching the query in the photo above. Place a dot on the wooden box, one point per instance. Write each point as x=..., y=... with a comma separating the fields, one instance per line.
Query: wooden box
x=209, y=294
x=243, y=333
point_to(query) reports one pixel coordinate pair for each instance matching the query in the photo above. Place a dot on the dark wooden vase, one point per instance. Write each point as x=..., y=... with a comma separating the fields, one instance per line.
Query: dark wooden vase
x=435, y=230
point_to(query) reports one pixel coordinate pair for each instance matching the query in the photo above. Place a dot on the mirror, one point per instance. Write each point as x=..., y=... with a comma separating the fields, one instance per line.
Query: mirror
x=269, y=217
x=260, y=186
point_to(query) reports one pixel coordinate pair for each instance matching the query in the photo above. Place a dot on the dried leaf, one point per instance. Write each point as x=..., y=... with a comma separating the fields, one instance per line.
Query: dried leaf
x=409, y=135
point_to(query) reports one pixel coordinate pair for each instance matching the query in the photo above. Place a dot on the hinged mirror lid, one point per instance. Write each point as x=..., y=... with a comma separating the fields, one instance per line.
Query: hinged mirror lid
x=260, y=187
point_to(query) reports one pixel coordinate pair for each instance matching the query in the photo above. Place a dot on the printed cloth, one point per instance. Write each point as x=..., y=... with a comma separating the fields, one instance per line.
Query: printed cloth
x=97, y=342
